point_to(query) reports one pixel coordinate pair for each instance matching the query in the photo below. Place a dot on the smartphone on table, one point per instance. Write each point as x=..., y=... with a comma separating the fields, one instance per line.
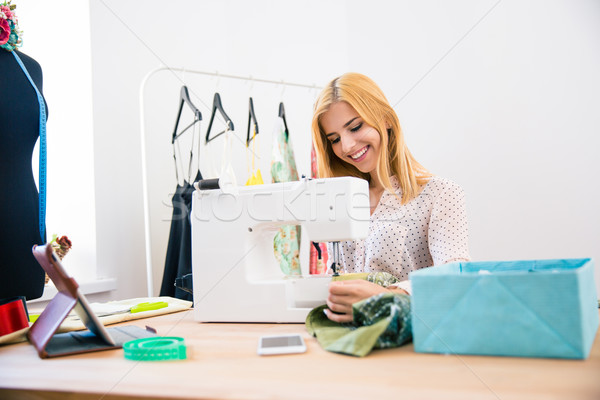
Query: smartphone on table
x=281, y=344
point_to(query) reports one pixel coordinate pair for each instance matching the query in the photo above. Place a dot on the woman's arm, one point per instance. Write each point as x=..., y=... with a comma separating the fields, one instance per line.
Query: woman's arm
x=448, y=233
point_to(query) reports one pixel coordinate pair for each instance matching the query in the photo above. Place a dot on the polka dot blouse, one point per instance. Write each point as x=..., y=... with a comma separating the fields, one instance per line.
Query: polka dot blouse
x=431, y=229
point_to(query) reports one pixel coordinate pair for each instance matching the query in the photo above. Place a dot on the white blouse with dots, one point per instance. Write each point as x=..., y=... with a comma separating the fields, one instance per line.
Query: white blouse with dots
x=431, y=229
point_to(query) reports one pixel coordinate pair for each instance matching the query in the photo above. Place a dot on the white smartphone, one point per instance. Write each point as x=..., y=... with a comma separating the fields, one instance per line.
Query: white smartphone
x=281, y=344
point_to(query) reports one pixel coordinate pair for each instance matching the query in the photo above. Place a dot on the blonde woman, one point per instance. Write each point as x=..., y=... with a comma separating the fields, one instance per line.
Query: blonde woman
x=418, y=220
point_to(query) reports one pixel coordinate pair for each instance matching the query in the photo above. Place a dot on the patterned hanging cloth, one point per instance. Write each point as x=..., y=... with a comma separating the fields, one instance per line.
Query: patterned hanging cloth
x=283, y=169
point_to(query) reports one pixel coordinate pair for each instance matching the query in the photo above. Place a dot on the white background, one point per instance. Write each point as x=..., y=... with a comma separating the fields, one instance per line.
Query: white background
x=499, y=96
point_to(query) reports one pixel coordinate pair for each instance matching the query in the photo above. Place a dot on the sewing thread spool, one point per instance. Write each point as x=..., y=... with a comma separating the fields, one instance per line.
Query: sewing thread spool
x=13, y=316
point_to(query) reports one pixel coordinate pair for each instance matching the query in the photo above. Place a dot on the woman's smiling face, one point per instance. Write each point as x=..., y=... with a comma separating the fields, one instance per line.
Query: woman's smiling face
x=352, y=140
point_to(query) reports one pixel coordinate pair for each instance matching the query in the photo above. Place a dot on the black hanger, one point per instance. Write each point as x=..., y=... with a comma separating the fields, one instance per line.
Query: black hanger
x=217, y=105
x=282, y=115
x=251, y=117
x=184, y=97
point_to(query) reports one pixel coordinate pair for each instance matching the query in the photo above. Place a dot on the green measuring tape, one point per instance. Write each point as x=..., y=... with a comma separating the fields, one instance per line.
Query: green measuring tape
x=155, y=349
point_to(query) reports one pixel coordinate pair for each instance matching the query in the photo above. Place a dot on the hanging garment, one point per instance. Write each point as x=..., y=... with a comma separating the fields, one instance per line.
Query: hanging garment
x=226, y=176
x=318, y=257
x=178, y=260
x=254, y=173
x=227, y=180
x=20, y=208
x=209, y=164
x=212, y=173
x=255, y=177
x=283, y=169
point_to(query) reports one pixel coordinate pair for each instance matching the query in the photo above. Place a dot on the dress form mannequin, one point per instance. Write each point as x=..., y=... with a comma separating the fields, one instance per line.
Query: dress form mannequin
x=20, y=274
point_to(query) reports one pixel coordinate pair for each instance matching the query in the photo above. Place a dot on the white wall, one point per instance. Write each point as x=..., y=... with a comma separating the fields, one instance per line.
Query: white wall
x=498, y=96
x=63, y=51
x=510, y=111
x=272, y=40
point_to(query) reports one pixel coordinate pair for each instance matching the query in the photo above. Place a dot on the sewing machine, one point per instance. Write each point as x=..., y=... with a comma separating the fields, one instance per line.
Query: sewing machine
x=236, y=277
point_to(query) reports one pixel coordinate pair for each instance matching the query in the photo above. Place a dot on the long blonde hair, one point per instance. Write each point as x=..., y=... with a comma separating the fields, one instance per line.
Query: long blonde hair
x=370, y=103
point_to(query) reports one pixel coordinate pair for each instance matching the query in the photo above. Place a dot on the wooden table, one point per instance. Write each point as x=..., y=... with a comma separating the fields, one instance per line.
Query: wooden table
x=223, y=364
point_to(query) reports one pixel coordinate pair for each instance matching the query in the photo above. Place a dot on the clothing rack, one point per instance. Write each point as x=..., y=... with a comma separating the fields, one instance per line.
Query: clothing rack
x=147, y=239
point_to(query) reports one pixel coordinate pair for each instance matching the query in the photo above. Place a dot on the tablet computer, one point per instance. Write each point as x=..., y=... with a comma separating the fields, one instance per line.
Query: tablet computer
x=66, y=285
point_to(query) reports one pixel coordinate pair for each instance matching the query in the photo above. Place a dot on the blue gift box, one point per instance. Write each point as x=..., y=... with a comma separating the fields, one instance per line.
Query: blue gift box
x=532, y=308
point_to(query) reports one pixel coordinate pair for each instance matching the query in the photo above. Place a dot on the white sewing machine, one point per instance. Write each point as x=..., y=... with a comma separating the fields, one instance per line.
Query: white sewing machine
x=236, y=277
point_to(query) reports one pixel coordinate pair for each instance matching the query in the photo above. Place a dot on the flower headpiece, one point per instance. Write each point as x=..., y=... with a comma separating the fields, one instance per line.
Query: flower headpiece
x=10, y=34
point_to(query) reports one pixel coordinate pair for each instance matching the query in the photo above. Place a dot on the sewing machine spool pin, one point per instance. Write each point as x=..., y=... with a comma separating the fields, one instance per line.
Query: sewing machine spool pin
x=335, y=266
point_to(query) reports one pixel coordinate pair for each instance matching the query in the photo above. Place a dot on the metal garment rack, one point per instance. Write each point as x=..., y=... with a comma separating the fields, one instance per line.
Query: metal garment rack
x=148, y=241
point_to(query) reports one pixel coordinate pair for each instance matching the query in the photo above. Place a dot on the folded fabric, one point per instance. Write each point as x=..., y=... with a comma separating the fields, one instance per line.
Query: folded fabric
x=14, y=337
x=381, y=321
x=384, y=279
x=73, y=323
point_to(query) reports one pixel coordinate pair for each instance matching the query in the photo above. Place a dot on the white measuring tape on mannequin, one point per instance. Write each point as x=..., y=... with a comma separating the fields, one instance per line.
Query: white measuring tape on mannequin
x=42, y=169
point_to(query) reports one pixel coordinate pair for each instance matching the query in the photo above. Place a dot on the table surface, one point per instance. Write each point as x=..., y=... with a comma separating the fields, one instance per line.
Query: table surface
x=223, y=364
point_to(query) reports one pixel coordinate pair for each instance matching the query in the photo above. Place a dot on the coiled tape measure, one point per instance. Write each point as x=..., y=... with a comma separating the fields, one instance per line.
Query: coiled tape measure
x=155, y=349
x=42, y=166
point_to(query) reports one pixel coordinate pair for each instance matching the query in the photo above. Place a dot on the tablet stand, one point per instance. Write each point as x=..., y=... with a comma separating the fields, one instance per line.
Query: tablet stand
x=43, y=332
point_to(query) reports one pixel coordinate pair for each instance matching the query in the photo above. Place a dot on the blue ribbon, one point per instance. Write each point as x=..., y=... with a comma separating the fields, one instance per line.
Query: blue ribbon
x=42, y=170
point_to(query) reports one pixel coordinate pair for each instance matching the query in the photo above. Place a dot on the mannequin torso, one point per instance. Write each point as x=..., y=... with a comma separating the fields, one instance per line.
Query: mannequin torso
x=20, y=274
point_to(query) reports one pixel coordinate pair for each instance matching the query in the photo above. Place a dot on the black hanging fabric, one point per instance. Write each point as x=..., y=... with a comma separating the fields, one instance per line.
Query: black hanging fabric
x=20, y=273
x=178, y=261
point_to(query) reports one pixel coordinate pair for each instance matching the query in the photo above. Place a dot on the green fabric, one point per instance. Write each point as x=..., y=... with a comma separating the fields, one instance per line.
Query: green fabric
x=286, y=247
x=384, y=279
x=286, y=244
x=381, y=321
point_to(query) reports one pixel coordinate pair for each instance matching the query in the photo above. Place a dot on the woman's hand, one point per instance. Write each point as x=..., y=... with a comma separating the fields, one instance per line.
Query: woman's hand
x=342, y=294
